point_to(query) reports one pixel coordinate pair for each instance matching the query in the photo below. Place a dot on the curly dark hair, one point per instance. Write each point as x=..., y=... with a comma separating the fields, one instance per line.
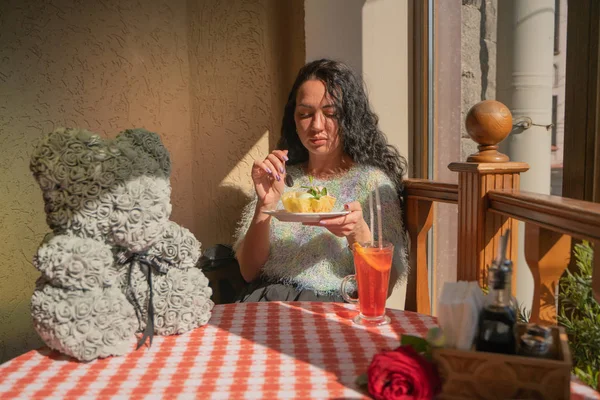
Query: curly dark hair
x=362, y=140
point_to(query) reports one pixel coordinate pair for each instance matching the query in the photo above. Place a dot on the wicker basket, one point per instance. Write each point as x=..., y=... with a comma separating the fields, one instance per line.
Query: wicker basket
x=481, y=375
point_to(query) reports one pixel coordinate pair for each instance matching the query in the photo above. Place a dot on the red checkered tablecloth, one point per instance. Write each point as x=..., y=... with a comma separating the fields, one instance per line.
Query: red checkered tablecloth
x=247, y=351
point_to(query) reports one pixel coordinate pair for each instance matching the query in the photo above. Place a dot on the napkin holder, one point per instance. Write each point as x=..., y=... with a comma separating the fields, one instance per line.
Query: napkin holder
x=481, y=375
x=459, y=306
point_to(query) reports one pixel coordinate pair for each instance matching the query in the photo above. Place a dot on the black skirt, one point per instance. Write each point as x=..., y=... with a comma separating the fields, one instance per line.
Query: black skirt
x=260, y=290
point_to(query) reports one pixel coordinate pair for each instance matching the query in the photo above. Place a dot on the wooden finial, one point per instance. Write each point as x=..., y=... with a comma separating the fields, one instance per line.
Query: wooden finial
x=488, y=123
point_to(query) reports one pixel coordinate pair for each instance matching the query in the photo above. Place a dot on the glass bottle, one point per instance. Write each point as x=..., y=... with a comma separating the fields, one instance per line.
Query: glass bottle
x=497, y=320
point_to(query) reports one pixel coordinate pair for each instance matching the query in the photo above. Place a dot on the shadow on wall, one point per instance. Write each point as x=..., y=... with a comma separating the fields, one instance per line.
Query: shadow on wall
x=232, y=211
x=243, y=59
x=18, y=335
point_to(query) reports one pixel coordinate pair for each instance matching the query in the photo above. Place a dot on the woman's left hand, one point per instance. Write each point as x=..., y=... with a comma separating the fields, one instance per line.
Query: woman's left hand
x=351, y=226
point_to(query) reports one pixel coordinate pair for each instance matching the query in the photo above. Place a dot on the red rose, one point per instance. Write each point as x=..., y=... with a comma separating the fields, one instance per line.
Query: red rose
x=402, y=374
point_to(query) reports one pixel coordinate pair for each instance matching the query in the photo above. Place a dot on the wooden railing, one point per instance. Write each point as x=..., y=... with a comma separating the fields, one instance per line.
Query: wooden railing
x=489, y=202
x=550, y=224
x=420, y=196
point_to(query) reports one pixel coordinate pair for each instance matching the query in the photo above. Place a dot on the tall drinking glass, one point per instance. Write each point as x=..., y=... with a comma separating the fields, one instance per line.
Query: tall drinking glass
x=372, y=264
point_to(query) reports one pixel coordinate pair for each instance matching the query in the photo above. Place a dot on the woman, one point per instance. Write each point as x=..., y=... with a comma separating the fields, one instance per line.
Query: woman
x=329, y=133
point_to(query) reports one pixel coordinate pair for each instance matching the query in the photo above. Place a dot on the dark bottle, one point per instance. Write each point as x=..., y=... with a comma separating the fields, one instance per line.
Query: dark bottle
x=498, y=317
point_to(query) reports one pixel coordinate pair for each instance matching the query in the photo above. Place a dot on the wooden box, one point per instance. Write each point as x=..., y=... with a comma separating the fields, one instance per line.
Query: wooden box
x=481, y=375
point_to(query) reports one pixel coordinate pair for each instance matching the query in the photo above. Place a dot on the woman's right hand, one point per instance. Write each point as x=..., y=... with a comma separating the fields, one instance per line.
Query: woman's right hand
x=268, y=176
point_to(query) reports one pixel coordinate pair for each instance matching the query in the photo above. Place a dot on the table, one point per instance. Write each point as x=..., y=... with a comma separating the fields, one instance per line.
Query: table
x=271, y=350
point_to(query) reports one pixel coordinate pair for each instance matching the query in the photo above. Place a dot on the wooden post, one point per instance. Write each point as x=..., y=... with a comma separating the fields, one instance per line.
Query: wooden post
x=417, y=293
x=488, y=123
x=548, y=254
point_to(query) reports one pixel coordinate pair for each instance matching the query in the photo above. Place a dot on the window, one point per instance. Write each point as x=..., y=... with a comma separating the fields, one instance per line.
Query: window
x=556, y=26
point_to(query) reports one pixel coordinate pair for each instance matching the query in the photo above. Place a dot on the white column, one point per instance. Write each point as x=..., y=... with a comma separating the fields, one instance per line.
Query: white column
x=524, y=84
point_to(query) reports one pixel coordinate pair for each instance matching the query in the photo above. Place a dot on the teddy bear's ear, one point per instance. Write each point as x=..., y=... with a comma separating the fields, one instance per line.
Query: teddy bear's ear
x=150, y=143
x=58, y=153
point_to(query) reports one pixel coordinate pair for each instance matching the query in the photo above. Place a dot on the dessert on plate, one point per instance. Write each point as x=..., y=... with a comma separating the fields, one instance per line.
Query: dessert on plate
x=314, y=200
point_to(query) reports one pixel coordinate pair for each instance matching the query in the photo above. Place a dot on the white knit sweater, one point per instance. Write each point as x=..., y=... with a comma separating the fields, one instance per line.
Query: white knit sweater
x=312, y=257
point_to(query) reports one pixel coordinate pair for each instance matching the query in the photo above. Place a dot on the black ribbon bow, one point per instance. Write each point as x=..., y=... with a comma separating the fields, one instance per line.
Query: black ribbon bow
x=147, y=264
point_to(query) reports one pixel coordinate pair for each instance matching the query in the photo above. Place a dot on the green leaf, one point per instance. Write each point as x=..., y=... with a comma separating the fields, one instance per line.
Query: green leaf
x=579, y=314
x=314, y=193
x=362, y=380
x=418, y=343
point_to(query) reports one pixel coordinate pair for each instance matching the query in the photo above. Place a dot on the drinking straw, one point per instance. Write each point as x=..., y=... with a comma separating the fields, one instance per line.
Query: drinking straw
x=378, y=206
x=372, y=220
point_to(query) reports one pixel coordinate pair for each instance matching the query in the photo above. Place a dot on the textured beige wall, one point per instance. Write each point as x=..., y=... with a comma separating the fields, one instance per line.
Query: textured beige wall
x=210, y=76
x=246, y=55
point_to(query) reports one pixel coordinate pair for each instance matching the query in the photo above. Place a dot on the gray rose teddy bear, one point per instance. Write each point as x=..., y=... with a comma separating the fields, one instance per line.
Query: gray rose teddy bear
x=114, y=263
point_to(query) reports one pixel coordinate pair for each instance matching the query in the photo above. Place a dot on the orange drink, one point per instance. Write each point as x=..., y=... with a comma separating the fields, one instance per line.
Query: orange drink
x=373, y=265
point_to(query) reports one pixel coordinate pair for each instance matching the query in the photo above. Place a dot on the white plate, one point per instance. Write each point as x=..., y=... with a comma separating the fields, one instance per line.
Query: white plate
x=285, y=216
